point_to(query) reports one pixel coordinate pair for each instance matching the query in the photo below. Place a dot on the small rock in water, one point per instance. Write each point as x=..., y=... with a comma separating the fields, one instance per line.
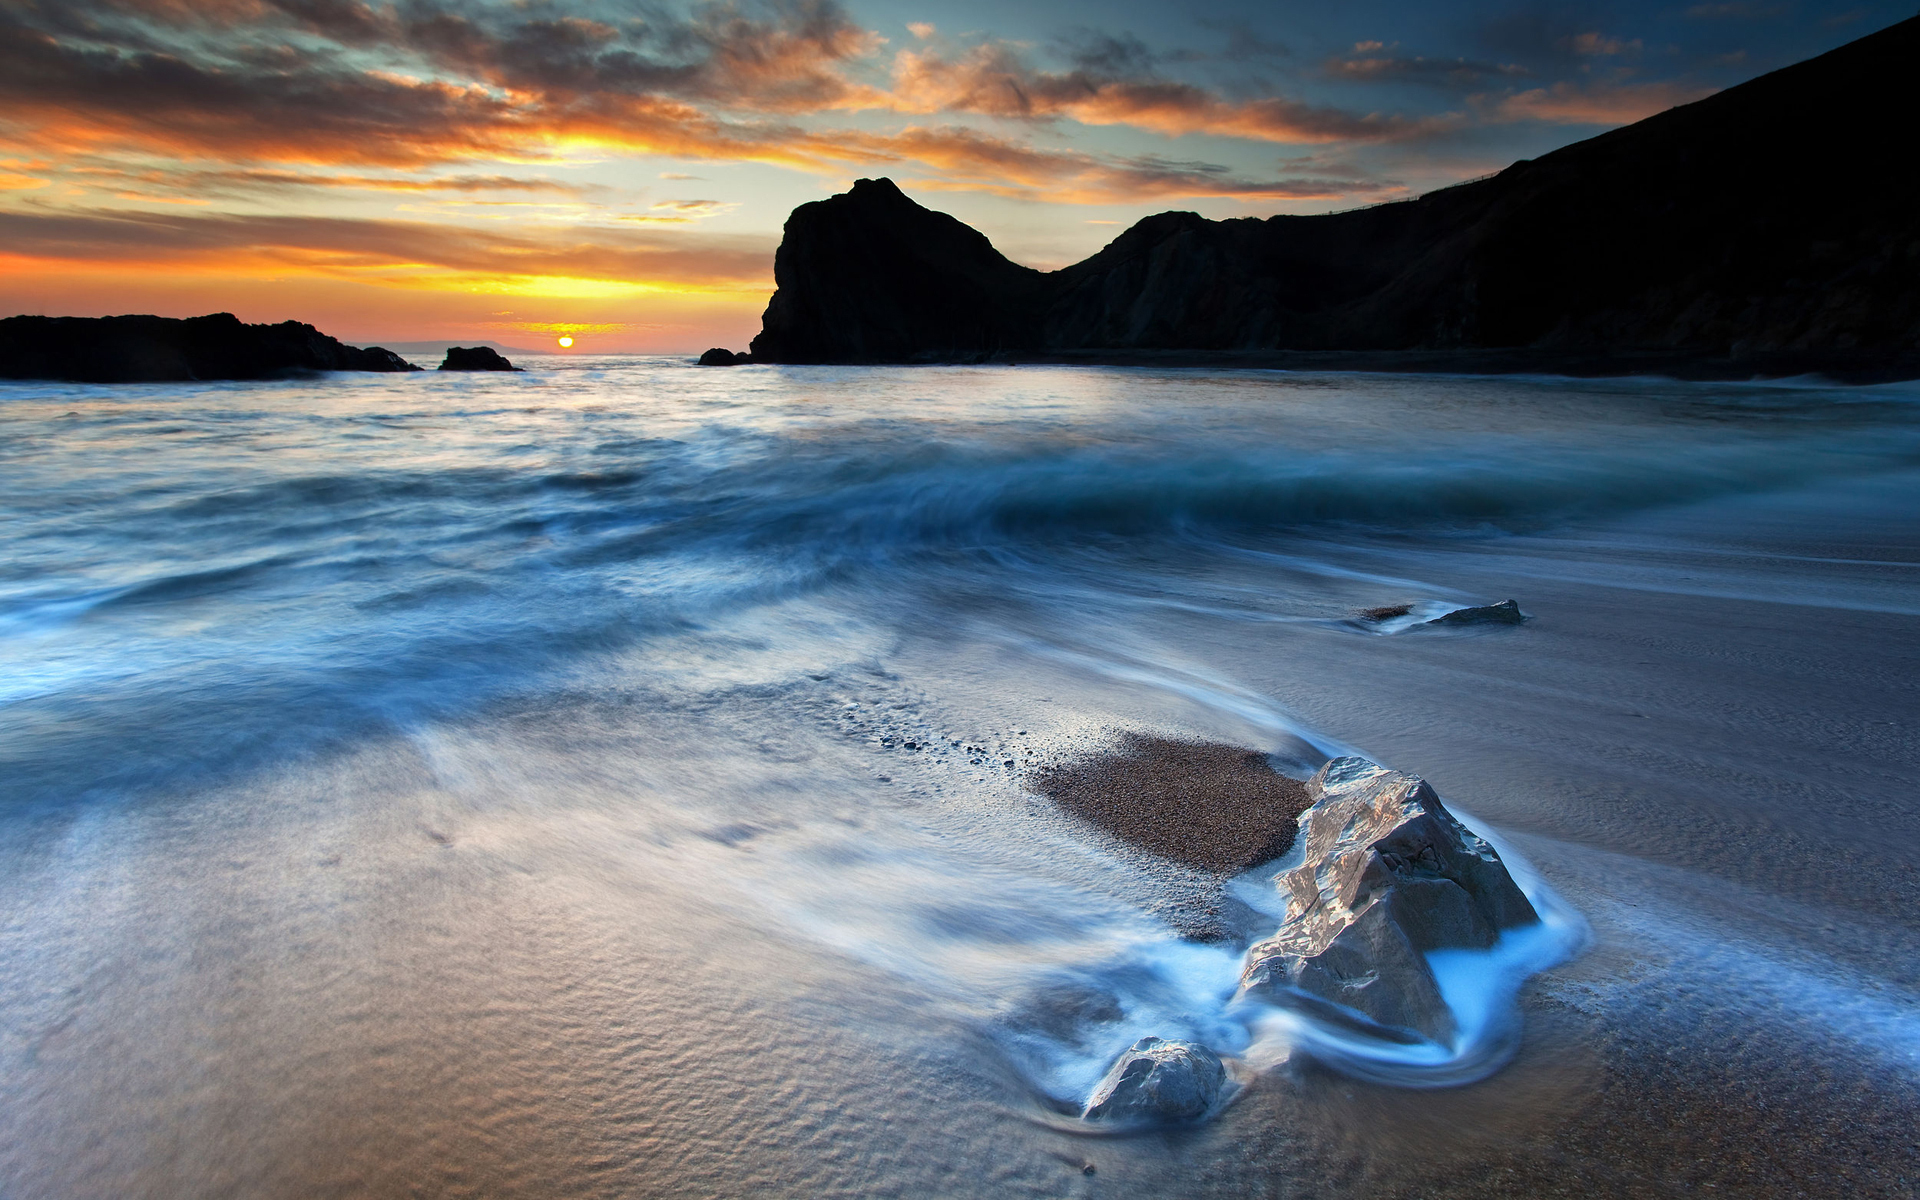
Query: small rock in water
x=1385, y=612
x=720, y=356
x=1159, y=1080
x=1387, y=876
x=1507, y=612
x=475, y=358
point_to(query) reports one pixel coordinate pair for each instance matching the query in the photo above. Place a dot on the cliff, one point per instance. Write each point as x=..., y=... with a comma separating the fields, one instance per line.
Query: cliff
x=1771, y=224
x=871, y=276
x=142, y=349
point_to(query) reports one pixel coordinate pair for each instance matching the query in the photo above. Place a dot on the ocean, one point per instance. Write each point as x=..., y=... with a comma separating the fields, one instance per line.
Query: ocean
x=615, y=778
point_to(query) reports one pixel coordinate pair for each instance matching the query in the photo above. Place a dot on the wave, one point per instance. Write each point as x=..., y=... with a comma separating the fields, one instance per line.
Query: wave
x=370, y=578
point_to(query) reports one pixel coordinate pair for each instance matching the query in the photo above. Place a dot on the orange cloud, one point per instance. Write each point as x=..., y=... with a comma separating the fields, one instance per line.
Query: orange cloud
x=1594, y=104
x=589, y=260
x=972, y=160
x=494, y=85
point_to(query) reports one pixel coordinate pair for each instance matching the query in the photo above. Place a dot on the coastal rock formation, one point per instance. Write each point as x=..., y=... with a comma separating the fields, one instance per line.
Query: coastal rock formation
x=475, y=358
x=1676, y=240
x=144, y=349
x=1158, y=1080
x=870, y=276
x=1388, y=875
x=720, y=356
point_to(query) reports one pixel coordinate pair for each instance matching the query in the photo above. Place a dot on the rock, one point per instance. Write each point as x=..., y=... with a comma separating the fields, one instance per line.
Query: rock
x=475, y=358
x=1388, y=876
x=1159, y=1080
x=1507, y=612
x=1385, y=612
x=720, y=356
x=1672, y=244
x=870, y=276
x=145, y=349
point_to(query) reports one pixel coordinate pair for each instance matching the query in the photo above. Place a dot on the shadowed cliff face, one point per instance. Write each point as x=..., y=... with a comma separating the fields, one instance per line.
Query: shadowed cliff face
x=1689, y=232
x=872, y=276
x=144, y=349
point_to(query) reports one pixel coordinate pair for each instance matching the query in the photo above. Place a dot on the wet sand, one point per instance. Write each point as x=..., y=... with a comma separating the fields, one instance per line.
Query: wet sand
x=732, y=911
x=1216, y=807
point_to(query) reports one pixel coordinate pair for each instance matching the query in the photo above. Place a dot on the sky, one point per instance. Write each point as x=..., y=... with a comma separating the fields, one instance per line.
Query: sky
x=618, y=171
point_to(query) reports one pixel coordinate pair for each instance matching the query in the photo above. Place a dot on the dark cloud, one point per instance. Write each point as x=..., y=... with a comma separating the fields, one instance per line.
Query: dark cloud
x=1547, y=41
x=786, y=58
x=976, y=161
x=427, y=82
x=1378, y=64
x=1245, y=42
x=1737, y=11
x=996, y=79
x=1107, y=56
x=76, y=93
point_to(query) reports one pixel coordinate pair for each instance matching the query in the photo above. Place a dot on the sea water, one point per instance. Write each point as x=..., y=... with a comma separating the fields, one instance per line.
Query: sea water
x=612, y=778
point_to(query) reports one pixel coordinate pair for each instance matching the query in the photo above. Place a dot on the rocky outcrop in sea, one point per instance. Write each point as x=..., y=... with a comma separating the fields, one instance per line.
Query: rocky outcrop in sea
x=1386, y=877
x=475, y=358
x=145, y=349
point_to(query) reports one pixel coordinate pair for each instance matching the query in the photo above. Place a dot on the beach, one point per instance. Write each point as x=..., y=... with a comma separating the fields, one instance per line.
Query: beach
x=629, y=779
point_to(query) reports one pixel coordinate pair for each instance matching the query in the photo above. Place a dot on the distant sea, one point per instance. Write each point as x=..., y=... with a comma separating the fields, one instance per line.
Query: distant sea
x=611, y=779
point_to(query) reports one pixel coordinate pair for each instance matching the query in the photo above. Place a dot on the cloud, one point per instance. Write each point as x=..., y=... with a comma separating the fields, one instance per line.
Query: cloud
x=409, y=253
x=431, y=82
x=693, y=210
x=480, y=82
x=1370, y=66
x=70, y=96
x=240, y=180
x=396, y=97
x=1736, y=11
x=1113, y=84
x=1599, y=45
x=1593, y=104
x=789, y=60
x=975, y=161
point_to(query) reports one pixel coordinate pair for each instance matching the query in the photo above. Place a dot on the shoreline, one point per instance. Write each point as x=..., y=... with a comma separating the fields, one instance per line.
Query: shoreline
x=1848, y=369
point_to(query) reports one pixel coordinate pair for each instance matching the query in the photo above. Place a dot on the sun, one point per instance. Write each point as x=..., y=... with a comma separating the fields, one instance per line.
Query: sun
x=565, y=341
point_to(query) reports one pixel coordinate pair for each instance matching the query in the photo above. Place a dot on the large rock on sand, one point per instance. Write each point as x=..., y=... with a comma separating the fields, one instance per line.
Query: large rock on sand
x=1388, y=875
x=1159, y=1080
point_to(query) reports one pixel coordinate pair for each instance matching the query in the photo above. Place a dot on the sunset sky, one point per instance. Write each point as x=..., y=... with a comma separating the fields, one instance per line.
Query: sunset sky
x=466, y=170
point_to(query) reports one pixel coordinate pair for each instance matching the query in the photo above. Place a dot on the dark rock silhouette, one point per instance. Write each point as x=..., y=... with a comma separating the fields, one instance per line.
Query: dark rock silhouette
x=870, y=276
x=475, y=358
x=1387, y=876
x=1158, y=1080
x=1507, y=612
x=1683, y=242
x=144, y=349
x=720, y=356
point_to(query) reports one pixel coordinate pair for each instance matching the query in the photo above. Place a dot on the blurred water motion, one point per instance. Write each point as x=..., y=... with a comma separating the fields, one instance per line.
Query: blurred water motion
x=609, y=779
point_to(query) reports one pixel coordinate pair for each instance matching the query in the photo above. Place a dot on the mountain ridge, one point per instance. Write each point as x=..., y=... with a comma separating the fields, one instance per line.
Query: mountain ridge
x=1682, y=238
